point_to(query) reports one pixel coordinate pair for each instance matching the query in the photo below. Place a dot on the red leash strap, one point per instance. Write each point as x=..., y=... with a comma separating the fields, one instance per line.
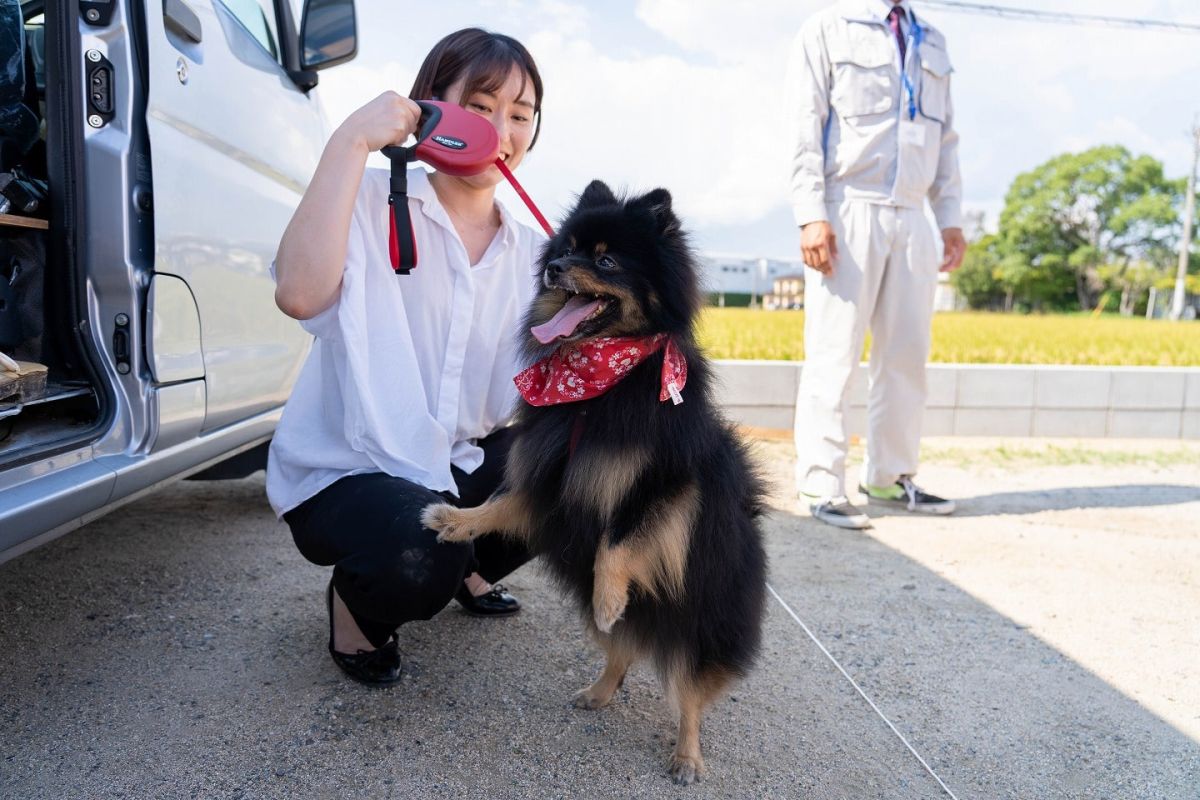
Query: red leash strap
x=402, y=243
x=521, y=192
x=402, y=249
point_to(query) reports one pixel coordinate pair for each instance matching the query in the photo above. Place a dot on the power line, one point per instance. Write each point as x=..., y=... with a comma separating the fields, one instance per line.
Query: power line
x=1062, y=17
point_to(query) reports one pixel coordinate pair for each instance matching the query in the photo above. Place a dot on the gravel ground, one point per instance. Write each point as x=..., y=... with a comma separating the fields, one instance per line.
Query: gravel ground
x=1041, y=643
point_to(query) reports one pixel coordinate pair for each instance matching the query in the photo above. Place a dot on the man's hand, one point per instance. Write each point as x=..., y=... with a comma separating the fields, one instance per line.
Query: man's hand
x=818, y=245
x=955, y=248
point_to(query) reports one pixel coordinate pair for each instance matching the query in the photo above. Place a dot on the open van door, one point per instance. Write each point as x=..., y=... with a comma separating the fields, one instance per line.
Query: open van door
x=178, y=137
x=234, y=139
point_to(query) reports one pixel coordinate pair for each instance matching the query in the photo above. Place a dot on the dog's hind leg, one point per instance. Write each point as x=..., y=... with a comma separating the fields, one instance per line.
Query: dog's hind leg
x=620, y=655
x=693, y=693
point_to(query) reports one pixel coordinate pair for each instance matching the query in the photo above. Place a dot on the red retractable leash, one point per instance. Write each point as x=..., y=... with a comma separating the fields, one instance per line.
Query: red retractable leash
x=451, y=140
x=455, y=141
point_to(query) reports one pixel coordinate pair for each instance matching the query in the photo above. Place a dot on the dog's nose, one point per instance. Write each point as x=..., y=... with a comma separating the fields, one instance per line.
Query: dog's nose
x=554, y=269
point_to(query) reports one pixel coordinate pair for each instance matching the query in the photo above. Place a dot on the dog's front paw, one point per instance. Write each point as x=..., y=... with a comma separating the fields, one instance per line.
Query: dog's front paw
x=686, y=769
x=608, y=606
x=448, y=521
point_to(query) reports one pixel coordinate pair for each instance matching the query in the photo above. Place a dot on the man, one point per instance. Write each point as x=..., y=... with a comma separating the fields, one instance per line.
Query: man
x=869, y=95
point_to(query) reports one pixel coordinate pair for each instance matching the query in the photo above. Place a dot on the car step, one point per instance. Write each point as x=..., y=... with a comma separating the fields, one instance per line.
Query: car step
x=24, y=384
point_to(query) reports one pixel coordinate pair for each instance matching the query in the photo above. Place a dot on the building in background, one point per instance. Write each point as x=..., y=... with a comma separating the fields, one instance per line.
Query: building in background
x=739, y=280
x=946, y=297
x=773, y=283
x=787, y=292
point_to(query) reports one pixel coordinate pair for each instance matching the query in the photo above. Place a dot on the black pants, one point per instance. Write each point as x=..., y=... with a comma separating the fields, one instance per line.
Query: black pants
x=387, y=567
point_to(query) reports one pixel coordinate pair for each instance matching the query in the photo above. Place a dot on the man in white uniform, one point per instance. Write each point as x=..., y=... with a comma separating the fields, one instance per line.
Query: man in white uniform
x=869, y=95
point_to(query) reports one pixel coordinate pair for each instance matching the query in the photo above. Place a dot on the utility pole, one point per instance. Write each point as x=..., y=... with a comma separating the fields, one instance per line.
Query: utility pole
x=760, y=271
x=1189, y=211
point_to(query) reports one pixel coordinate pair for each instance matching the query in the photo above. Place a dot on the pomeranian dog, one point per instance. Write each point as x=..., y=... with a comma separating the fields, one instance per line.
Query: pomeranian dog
x=622, y=476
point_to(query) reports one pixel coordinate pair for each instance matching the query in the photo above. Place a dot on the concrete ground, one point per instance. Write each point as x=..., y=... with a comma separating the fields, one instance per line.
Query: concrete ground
x=1042, y=643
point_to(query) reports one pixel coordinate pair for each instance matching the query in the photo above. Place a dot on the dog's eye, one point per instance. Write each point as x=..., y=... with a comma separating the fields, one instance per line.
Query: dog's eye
x=567, y=251
x=606, y=262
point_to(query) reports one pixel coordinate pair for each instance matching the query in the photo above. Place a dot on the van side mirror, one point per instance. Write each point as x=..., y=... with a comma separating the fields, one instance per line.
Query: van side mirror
x=328, y=35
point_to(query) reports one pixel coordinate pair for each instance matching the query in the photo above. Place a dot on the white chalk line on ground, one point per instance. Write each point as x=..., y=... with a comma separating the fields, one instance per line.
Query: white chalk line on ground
x=858, y=688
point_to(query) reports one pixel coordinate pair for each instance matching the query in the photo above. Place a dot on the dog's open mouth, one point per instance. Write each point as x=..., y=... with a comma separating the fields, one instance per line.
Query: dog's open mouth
x=578, y=309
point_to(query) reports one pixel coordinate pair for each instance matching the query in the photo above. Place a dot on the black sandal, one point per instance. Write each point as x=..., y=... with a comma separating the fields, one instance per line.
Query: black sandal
x=378, y=667
x=496, y=603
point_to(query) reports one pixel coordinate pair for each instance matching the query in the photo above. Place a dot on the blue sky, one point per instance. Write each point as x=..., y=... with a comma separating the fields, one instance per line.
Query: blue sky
x=686, y=94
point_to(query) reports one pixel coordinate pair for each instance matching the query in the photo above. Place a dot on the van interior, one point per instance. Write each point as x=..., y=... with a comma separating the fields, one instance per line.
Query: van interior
x=48, y=390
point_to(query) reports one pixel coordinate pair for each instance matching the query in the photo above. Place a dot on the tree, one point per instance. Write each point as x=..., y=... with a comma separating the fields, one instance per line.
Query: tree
x=1081, y=212
x=976, y=279
x=993, y=276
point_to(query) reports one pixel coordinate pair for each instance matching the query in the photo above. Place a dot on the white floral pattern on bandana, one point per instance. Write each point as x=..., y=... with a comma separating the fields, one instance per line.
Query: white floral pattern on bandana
x=588, y=369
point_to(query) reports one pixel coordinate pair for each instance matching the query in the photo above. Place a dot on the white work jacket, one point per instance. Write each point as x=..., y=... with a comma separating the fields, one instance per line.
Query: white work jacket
x=847, y=98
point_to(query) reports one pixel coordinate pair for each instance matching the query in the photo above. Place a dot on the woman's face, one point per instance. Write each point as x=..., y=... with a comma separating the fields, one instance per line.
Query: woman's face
x=510, y=110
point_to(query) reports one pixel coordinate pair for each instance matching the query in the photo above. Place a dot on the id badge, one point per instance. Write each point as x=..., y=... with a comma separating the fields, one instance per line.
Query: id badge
x=912, y=132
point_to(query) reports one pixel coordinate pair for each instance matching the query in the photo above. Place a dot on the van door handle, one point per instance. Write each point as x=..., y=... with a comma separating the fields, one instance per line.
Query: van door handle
x=180, y=18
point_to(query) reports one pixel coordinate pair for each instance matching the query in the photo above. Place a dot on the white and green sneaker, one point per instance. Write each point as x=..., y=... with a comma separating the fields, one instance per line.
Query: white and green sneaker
x=907, y=495
x=838, y=511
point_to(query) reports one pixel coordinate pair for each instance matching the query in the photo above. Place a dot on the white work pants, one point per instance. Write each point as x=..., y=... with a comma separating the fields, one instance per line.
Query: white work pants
x=884, y=277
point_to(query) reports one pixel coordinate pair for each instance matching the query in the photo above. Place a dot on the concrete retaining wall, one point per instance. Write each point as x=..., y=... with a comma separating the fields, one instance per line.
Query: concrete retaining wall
x=995, y=399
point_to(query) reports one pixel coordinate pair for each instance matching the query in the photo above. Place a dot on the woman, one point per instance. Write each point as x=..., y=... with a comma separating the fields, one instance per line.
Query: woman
x=403, y=399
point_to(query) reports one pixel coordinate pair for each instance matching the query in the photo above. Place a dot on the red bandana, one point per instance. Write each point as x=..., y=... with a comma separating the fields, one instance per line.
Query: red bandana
x=590, y=368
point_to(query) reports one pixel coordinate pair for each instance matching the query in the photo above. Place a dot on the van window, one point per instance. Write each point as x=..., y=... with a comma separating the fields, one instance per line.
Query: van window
x=258, y=18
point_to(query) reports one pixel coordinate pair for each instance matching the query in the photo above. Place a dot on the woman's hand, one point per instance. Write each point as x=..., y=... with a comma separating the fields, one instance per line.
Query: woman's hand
x=388, y=119
x=312, y=253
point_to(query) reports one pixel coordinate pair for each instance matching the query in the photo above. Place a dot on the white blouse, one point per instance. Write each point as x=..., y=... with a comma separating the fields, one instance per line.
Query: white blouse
x=406, y=372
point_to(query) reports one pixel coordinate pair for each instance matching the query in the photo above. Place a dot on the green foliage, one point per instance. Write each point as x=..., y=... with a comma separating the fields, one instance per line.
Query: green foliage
x=1166, y=283
x=976, y=280
x=732, y=299
x=1075, y=227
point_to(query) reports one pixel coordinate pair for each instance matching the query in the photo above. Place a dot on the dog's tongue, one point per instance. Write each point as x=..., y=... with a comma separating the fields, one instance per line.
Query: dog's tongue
x=566, y=320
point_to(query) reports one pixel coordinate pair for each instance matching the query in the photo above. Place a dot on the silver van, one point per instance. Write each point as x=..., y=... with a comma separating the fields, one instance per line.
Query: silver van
x=176, y=138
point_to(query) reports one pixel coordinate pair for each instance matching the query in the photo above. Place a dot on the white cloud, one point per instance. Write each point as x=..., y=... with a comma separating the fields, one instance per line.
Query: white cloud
x=1027, y=53
x=731, y=32
x=687, y=94
x=698, y=130
x=1131, y=134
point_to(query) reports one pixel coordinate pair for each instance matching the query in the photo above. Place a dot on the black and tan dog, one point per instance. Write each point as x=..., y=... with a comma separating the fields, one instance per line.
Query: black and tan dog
x=643, y=508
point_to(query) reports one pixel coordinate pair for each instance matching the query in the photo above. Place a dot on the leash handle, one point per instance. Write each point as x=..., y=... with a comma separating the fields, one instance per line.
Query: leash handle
x=402, y=241
x=504, y=170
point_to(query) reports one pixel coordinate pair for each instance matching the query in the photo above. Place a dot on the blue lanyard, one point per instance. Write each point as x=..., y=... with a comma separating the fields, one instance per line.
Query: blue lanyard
x=915, y=35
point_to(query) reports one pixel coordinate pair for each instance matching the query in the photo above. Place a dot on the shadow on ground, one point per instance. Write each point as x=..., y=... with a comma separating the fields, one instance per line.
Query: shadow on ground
x=177, y=648
x=1066, y=498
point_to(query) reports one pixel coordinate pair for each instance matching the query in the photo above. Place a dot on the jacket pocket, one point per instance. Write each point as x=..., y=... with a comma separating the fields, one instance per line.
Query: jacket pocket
x=864, y=80
x=935, y=82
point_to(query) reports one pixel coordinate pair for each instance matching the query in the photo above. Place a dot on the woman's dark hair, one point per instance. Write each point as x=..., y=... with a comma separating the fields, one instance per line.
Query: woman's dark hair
x=485, y=59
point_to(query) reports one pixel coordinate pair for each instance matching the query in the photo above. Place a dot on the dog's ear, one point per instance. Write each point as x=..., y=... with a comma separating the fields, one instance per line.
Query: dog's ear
x=596, y=194
x=658, y=203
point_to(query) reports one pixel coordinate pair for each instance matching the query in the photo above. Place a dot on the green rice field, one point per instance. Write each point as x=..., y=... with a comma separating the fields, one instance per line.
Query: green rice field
x=971, y=337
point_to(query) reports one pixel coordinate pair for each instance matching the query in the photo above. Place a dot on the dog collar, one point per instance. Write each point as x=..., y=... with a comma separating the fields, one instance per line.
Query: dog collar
x=590, y=368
